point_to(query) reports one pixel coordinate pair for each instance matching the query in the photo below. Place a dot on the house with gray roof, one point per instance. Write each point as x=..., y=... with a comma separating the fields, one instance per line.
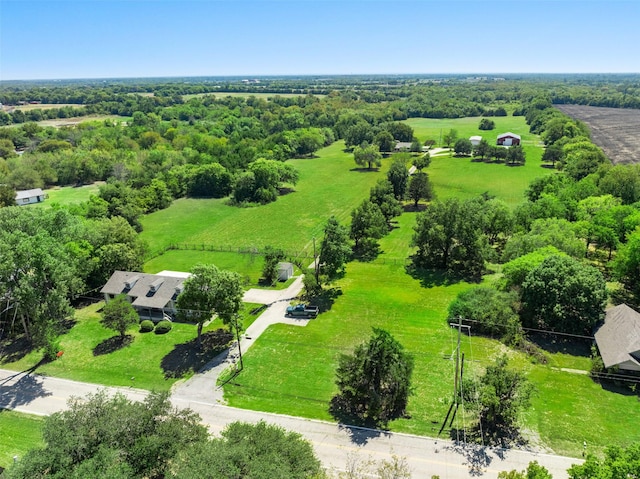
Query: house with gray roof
x=152, y=295
x=27, y=197
x=618, y=338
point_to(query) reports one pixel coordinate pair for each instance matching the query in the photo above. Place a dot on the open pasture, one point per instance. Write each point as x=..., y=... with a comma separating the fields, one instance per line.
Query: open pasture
x=329, y=185
x=615, y=130
x=463, y=178
x=292, y=370
x=44, y=106
x=68, y=195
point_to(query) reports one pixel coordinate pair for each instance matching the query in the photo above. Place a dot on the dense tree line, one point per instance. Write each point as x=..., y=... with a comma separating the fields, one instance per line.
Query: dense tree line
x=48, y=258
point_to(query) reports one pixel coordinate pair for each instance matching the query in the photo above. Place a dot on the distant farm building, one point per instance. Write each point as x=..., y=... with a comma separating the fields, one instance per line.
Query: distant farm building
x=27, y=197
x=285, y=271
x=475, y=140
x=618, y=338
x=402, y=146
x=152, y=295
x=508, y=139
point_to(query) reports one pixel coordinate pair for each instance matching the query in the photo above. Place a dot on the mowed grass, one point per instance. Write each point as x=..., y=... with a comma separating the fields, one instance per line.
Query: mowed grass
x=329, y=185
x=68, y=195
x=143, y=363
x=20, y=433
x=291, y=370
x=463, y=178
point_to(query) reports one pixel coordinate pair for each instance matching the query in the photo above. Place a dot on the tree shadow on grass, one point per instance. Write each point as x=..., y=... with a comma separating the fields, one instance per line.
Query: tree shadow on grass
x=112, y=344
x=188, y=357
x=412, y=208
x=14, y=349
x=431, y=277
x=556, y=344
x=325, y=299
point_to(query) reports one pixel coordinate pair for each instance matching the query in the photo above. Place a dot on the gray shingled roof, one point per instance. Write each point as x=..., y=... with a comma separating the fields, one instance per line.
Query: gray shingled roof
x=619, y=338
x=23, y=194
x=148, y=291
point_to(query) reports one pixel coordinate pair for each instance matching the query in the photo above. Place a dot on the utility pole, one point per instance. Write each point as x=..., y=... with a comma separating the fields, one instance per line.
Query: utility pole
x=316, y=262
x=238, y=339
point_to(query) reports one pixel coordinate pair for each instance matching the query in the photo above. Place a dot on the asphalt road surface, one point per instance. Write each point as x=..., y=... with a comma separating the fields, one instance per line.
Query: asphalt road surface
x=335, y=445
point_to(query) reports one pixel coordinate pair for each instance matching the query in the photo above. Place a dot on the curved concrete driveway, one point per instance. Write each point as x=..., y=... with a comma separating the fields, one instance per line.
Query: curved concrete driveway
x=202, y=385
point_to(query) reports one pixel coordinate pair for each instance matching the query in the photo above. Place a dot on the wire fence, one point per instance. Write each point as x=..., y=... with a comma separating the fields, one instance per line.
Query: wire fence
x=246, y=250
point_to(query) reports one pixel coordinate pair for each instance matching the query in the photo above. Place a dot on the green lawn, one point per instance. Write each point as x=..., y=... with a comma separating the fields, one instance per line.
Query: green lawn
x=248, y=265
x=291, y=370
x=153, y=360
x=329, y=185
x=463, y=178
x=20, y=433
x=67, y=195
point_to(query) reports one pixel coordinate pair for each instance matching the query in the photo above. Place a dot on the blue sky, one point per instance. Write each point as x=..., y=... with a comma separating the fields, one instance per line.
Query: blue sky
x=131, y=38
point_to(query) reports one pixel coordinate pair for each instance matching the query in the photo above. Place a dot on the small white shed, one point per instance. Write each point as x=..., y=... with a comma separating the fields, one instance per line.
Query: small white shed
x=475, y=140
x=285, y=271
x=27, y=197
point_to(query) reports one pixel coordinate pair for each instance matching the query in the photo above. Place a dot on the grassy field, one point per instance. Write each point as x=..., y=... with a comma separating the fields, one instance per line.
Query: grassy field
x=329, y=185
x=291, y=370
x=67, y=195
x=463, y=178
x=20, y=433
x=248, y=265
x=94, y=354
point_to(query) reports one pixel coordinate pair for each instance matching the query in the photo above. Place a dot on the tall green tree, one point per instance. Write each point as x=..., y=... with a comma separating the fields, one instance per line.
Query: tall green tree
x=367, y=155
x=374, y=381
x=503, y=393
x=398, y=176
x=422, y=162
x=563, y=294
x=420, y=188
x=272, y=256
x=7, y=196
x=367, y=224
x=335, y=249
x=450, y=137
x=210, y=291
x=249, y=450
x=382, y=194
x=118, y=314
x=112, y=438
x=463, y=146
x=448, y=236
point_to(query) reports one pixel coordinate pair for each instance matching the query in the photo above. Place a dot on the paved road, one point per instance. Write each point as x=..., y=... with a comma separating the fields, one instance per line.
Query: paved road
x=335, y=445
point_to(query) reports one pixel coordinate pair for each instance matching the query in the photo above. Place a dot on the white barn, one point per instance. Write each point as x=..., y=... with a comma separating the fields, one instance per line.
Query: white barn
x=27, y=197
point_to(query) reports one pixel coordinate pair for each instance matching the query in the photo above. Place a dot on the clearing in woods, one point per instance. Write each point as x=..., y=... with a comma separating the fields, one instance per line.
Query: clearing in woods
x=615, y=130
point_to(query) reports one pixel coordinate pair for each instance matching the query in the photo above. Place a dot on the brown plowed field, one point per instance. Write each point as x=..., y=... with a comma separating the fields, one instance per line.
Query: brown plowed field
x=615, y=130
